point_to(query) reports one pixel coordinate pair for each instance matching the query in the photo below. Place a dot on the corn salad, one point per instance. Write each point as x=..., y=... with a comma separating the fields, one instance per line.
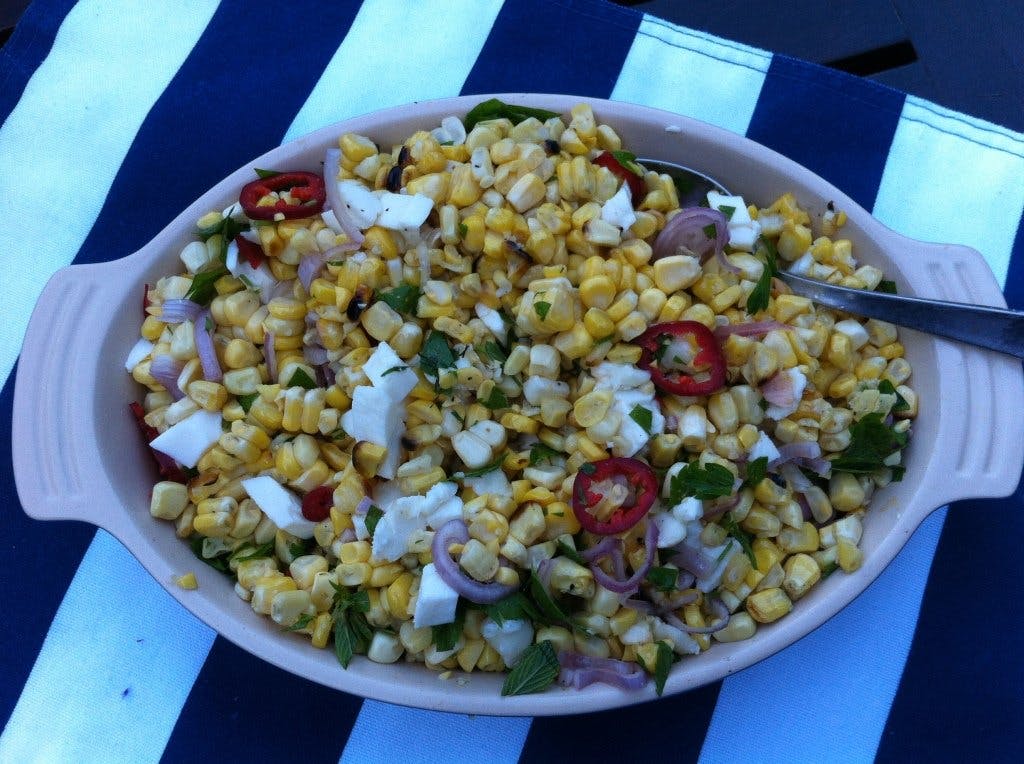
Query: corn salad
x=454, y=339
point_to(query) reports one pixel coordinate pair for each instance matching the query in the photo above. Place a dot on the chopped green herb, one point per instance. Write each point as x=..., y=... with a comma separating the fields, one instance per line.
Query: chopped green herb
x=756, y=471
x=871, y=443
x=549, y=609
x=886, y=387
x=496, y=399
x=479, y=471
x=537, y=669
x=403, y=298
x=463, y=230
x=664, y=579
x=248, y=283
x=889, y=287
x=710, y=231
x=643, y=417
x=446, y=635
x=704, y=483
x=588, y=469
x=828, y=569
x=493, y=108
x=254, y=553
x=567, y=551
x=609, y=338
x=734, y=530
x=542, y=308
x=373, y=516
x=392, y=370
x=436, y=354
x=623, y=157
x=303, y=621
x=246, y=401
x=540, y=452
x=264, y=174
x=301, y=379
x=218, y=562
x=491, y=349
x=190, y=472
x=727, y=210
x=763, y=404
x=297, y=548
x=227, y=227
x=662, y=665
x=352, y=632
x=759, y=296
x=515, y=607
x=202, y=289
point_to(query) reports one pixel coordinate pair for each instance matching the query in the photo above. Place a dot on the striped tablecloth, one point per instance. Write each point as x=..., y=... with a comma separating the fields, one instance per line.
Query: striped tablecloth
x=116, y=114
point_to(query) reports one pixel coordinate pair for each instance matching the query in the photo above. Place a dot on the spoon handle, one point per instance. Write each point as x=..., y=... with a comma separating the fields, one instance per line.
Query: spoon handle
x=993, y=328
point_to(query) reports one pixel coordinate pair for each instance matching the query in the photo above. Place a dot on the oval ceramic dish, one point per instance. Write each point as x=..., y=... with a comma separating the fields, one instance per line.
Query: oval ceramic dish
x=966, y=441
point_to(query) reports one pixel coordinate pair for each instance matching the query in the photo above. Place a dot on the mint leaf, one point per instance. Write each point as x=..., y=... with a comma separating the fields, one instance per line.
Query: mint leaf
x=704, y=483
x=373, y=516
x=436, y=354
x=871, y=443
x=886, y=387
x=643, y=417
x=727, y=210
x=537, y=669
x=759, y=296
x=202, y=289
x=264, y=174
x=496, y=399
x=494, y=108
x=664, y=579
x=301, y=379
x=542, y=308
x=734, y=530
x=662, y=665
x=403, y=298
x=757, y=470
x=392, y=370
x=515, y=607
x=301, y=623
x=886, y=286
x=246, y=401
x=540, y=452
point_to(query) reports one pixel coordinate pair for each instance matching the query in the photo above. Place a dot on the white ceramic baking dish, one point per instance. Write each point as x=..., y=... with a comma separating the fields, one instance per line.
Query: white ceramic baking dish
x=72, y=389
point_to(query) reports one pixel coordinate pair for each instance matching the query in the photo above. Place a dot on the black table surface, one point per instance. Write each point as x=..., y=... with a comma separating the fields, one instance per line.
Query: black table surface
x=963, y=55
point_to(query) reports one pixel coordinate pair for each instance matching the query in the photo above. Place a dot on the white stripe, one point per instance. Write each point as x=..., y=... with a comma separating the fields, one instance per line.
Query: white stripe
x=63, y=143
x=697, y=75
x=827, y=697
x=385, y=733
x=389, y=58
x=954, y=179
x=947, y=178
x=114, y=670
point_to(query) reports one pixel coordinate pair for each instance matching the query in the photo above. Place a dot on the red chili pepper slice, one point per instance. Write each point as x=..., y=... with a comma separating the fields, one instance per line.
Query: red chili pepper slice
x=703, y=369
x=250, y=250
x=613, y=495
x=169, y=469
x=308, y=188
x=316, y=505
x=636, y=183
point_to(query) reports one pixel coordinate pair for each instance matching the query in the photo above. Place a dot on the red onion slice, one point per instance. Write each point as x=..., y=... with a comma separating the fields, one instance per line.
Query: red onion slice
x=719, y=611
x=203, y=331
x=692, y=559
x=602, y=550
x=748, y=329
x=795, y=477
x=310, y=267
x=363, y=506
x=579, y=671
x=803, y=449
x=455, y=532
x=165, y=370
x=631, y=584
x=685, y=234
x=315, y=355
x=177, y=311
x=332, y=158
x=270, y=356
x=780, y=390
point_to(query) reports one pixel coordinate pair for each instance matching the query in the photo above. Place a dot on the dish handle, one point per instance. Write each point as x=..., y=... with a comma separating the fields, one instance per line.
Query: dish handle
x=984, y=426
x=56, y=458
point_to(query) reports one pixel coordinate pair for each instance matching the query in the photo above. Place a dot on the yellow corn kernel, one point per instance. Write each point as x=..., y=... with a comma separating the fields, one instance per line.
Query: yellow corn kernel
x=803, y=539
x=849, y=556
x=768, y=605
x=801, y=573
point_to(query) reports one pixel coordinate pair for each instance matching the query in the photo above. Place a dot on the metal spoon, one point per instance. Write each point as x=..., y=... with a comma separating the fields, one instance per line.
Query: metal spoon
x=992, y=328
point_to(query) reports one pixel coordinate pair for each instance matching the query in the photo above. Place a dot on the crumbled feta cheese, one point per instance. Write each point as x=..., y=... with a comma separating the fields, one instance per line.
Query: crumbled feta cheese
x=743, y=230
x=536, y=389
x=403, y=212
x=688, y=510
x=435, y=604
x=510, y=639
x=493, y=482
x=451, y=131
x=763, y=447
x=379, y=370
x=492, y=320
x=187, y=441
x=279, y=504
x=802, y=265
x=139, y=350
x=670, y=530
x=406, y=515
x=637, y=634
x=619, y=209
x=631, y=388
x=376, y=418
x=362, y=205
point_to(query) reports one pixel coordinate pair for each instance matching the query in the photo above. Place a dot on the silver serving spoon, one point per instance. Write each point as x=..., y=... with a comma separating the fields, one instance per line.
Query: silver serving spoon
x=992, y=328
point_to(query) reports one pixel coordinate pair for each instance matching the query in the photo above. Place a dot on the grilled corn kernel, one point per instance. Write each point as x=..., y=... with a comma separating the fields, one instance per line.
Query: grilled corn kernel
x=768, y=605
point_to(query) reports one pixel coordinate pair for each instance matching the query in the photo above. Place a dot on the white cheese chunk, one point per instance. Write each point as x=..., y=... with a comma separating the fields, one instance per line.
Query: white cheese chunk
x=363, y=206
x=631, y=387
x=451, y=131
x=763, y=447
x=187, y=441
x=637, y=634
x=670, y=530
x=379, y=369
x=743, y=230
x=402, y=212
x=376, y=418
x=282, y=506
x=435, y=604
x=688, y=510
x=619, y=209
x=855, y=331
x=407, y=515
x=510, y=639
x=536, y=389
x=139, y=350
x=493, y=482
x=492, y=320
x=195, y=255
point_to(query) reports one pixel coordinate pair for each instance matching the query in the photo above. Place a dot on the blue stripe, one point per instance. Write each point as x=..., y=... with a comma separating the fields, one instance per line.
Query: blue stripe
x=27, y=47
x=528, y=51
x=217, y=114
x=838, y=126
x=40, y=558
x=243, y=709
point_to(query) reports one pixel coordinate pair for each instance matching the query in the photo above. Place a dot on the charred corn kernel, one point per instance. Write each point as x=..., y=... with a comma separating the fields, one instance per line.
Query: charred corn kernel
x=591, y=408
x=598, y=324
x=242, y=381
x=665, y=449
x=421, y=483
x=768, y=492
x=152, y=328
x=354, y=551
x=321, y=630
x=898, y=371
x=574, y=343
x=553, y=411
x=520, y=423
x=818, y=501
x=287, y=309
x=597, y=292
x=187, y=581
x=840, y=352
x=213, y=524
x=845, y=492
x=250, y=572
x=211, y=396
x=168, y=500
x=911, y=398
x=239, y=354
x=802, y=539
x=768, y=605
x=849, y=556
x=559, y=520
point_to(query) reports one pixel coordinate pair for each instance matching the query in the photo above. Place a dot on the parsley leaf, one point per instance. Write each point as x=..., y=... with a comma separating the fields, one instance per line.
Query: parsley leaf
x=218, y=562
x=889, y=287
x=704, y=483
x=758, y=298
x=373, y=516
x=871, y=443
x=662, y=665
x=492, y=350
x=227, y=227
x=540, y=452
x=202, y=289
x=567, y=551
x=494, y=108
x=301, y=379
x=664, y=579
x=264, y=174
x=481, y=470
x=446, y=635
x=246, y=401
x=302, y=622
x=392, y=370
x=756, y=471
x=463, y=230
x=886, y=387
x=254, y=553
x=643, y=417
x=515, y=607
x=542, y=308
x=727, y=210
x=352, y=632
x=402, y=298
x=496, y=399
x=536, y=670
x=710, y=231
x=734, y=530
x=436, y=354
x=549, y=610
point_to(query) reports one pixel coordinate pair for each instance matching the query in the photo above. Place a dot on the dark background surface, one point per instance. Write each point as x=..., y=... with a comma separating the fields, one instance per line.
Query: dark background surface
x=964, y=55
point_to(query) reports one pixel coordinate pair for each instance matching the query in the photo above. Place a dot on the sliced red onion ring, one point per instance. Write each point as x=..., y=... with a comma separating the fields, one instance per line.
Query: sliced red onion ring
x=165, y=370
x=544, y=571
x=581, y=671
x=719, y=611
x=270, y=356
x=203, y=331
x=780, y=390
x=748, y=329
x=685, y=234
x=719, y=507
x=802, y=449
x=176, y=311
x=315, y=354
x=632, y=583
x=691, y=558
x=682, y=599
x=821, y=467
x=310, y=267
x=795, y=477
x=602, y=549
x=347, y=535
x=455, y=532
x=332, y=158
